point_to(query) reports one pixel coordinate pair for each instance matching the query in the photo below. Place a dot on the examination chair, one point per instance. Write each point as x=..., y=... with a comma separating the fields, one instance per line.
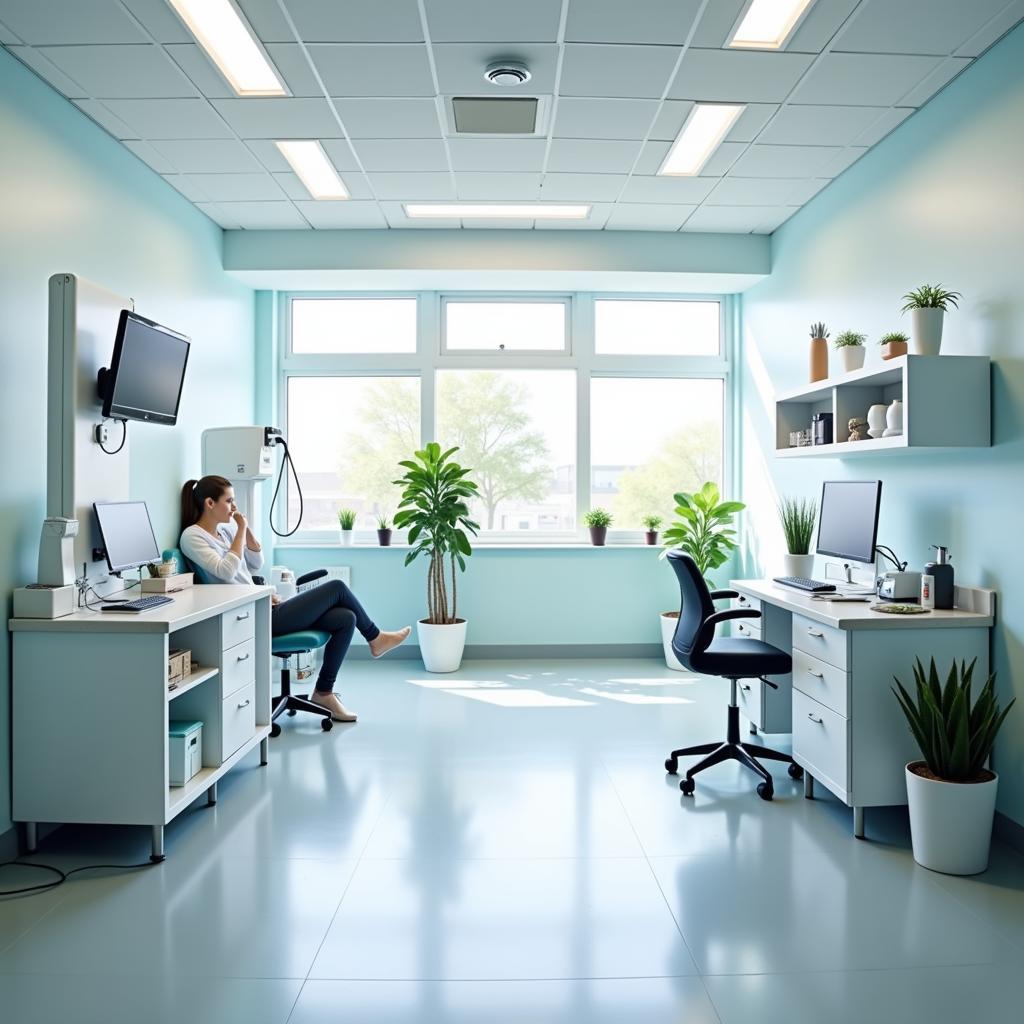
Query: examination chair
x=732, y=658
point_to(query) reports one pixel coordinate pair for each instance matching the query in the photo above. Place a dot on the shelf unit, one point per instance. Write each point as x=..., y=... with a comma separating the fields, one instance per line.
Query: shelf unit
x=946, y=404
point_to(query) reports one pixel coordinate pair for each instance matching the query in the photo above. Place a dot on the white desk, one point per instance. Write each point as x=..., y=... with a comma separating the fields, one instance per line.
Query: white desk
x=848, y=730
x=91, y=706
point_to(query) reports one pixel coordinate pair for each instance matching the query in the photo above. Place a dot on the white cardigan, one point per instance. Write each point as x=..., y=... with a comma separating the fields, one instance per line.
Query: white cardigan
x=213, y=558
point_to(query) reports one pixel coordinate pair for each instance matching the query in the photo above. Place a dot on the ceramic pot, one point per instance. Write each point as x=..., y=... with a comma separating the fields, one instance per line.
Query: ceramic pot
x=951, y=822
x=926, y=331
x=819, y=360
x=892, y=349
x=651, y=537
x=346, y=538
x=801, y=566
x=894, y=419
x=598, y=535
x=384, y=538
x=441, y=644
x=876, y=420
x=669, y=621
x=852, y=357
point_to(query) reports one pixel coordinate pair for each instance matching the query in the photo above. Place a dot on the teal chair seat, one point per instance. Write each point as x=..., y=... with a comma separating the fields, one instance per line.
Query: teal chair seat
x=295, y=643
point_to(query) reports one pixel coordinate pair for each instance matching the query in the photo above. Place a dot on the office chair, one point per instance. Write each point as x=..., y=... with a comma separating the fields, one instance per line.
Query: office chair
x=733, y=658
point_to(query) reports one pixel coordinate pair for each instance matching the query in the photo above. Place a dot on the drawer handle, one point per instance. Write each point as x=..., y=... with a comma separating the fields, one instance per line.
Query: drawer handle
x=244, y=704
x=745, y=687
x=820, y=721
x=817, y=675
x=243, y=657
x=242, y=618
x=815, y=632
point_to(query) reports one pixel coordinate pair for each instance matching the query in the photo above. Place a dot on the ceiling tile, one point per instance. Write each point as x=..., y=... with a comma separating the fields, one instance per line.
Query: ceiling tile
x=498, y=187
x=671, y=118
x=597, y=219
x=356, y=215
x=390, y=118
x=805, y=191
x=171, y=119
x=652, y=157
x=597, y=156
x=373, y=70
x=49, y=72
x=820, y=24
x=994, y=30
x=396, y=218
x=200, y=71
x=7, y=37
x=159, y=20
x=356, y=185
x=461, y=66
x=264, y=216
x=890, y=118
x=218, y=216
x=42, y=22
x=915, y=26
x=293, y=67
x=775, y=219
x=738, y=76
x=583, y=188
x=121, y=72
x=783, y=161
x=402, y=154
x=932, y=83
x=835, y=166
x=236, y=187
x=647, y=217
x=632, y=71
x=267, y=21
x=284, y=118
x=878, y=80
x=102, y=115
x=151, y=155
x=649, y=189
x=412, y=187
x=750, y=123
x=497, y=224
x=603, y=119
x=338, y=150
x=357, y=21
x=723, y=158
x=754, y=192
x=188, y=188
x=736, y=219
x=716, y=23
x=473, y=21
x=818, y=125
x=497, y=155
x=638, y=21
x=208, y=156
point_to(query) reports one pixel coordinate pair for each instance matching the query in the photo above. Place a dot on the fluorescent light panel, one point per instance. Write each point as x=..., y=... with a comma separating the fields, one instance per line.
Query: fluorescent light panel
x=509, y=211
x=704, y=130
x=230, y=44
x=767, y=24
x=310, y=163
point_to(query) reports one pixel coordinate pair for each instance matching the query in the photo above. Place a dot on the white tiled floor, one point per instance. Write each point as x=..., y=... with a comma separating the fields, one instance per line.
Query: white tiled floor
x=503, y=845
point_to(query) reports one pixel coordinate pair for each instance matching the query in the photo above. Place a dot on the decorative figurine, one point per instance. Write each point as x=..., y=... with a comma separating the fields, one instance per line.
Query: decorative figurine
x=856, y=427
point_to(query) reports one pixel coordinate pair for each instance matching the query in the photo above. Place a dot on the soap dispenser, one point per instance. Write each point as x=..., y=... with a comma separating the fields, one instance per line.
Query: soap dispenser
x=943, y=573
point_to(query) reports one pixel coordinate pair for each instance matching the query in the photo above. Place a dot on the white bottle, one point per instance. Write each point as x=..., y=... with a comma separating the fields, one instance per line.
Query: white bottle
x=927, y=591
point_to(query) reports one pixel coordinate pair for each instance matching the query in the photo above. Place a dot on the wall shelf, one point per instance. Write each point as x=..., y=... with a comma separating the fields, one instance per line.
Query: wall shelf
x=946, y=404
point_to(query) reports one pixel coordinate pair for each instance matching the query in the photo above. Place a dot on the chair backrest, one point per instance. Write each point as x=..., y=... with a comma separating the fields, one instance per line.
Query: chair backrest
x=695, y=608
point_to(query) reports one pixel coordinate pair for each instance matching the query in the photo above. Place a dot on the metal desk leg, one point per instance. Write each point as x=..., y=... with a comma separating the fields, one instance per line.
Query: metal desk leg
x=264, y=749
x=158, y=844
x=31, y=836
x=211, y=795
x=858, y=822
x=808, y=785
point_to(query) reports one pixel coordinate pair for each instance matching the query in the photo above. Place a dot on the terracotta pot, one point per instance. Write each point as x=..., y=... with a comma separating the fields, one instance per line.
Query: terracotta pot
x=651, y=536
x=892, y=349
x=384, y=538
x=598, y=535
x=819, y=359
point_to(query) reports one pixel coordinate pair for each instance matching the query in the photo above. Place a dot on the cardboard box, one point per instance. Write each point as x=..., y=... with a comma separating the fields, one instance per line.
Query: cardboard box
x=179, y=667
x=167, y=584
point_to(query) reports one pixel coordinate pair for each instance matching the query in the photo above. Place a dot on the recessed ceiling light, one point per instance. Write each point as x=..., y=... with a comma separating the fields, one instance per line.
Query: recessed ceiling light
x=230, y=44
x=767, y=24
x=529, y=211
x=704, y=129
x=310, y=163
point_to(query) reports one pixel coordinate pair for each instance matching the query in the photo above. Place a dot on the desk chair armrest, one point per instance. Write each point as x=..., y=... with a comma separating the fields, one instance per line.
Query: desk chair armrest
x=308, y=577
x=721, y=595
x=707, y=630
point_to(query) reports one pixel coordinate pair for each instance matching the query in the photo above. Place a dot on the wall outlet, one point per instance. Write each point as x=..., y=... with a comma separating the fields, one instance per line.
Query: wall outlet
x=101, y=433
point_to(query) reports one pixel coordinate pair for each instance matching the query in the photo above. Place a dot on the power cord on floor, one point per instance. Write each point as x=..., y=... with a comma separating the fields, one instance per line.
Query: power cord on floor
x=64, y=875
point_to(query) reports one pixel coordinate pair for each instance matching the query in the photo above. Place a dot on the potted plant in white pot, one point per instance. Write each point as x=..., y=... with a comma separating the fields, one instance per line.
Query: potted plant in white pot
x=597, y=521
x=651, y=526
x=703, y=529
x=434, y=509
x=797, y=518
x=951, y=794
x=347, y=523
x=850, y=345
x=927, y=306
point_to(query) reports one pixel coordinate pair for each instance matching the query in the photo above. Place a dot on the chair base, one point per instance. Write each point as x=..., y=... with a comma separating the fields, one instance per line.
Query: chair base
x=292, y=702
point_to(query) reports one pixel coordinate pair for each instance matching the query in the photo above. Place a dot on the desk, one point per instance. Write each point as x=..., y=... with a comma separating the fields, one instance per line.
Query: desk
x=91, y=706
x=849, y=733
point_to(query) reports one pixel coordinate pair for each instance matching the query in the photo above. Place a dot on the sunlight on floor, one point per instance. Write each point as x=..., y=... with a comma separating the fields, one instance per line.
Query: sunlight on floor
x=634, y=698
x=520, y=698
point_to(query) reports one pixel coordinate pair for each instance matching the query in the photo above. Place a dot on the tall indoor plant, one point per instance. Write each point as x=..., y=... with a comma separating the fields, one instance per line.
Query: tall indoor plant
x=703, y=529
x=927, y=306
x=797, y=518
x=434, y=509
x=951, y=794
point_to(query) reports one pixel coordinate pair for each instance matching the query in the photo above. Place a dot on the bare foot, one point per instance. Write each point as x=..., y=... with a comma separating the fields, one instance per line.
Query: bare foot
x=338, y=711
x=383, y=642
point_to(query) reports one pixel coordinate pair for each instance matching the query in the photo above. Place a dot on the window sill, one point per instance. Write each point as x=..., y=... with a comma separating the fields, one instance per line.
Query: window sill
x=477, y=546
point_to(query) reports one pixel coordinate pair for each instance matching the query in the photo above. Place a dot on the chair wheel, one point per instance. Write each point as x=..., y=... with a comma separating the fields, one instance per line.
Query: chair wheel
x=796, y=772
x=292, y=712
x=327, y=724
x=687, y=786
x=275, y=729
x=671, y=766
x=765, y=790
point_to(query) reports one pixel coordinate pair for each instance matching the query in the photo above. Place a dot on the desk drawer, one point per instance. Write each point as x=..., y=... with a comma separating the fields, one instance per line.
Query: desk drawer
x=821, y=742
x=823, y=642
x=823, y=682
x=748, y=697
x=746, y=602
x=748, y=628
x=239, y=667
x=238, y=624
x=238, y=719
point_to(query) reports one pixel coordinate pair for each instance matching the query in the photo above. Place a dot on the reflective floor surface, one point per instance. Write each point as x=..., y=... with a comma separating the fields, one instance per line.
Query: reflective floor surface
x=502, y=845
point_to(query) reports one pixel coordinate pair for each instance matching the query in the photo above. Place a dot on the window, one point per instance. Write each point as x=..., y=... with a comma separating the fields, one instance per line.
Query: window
x=650, y=438
x=347, y=435
x=516, y=429
x=353, y=326
x=656, y=327
x=519, y=326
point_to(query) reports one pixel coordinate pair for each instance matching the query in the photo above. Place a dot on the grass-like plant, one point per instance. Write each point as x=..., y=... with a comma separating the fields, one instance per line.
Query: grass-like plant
x=704, y=527
x=797, y=518
x=850, y=339
x=651, y=522
x=819, y=331
x=347, y=518
x=931, y=296
x=893, y=338
x=597, y=517
x=383, y=523
x=955, y=736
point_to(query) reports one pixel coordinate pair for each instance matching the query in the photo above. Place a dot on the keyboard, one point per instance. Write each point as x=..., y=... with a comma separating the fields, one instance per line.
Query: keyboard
x=801, y=583
x=140, y=604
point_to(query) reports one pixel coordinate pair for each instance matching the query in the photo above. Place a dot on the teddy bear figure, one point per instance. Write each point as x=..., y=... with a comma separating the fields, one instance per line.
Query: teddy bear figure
x=857, y=429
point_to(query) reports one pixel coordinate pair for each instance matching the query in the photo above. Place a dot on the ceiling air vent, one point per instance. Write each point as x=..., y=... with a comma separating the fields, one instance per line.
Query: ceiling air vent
x=507, y=72
x=475, y=115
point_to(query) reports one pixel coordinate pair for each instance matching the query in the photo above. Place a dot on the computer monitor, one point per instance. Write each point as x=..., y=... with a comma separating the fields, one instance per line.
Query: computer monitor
x=848, y=521
x=127, y=534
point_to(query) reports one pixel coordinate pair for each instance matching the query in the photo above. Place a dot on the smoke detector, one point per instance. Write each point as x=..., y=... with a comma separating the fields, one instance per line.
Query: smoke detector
x=507, y=72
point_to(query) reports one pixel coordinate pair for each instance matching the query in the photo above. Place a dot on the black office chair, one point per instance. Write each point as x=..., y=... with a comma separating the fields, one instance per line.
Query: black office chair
x=733, y=658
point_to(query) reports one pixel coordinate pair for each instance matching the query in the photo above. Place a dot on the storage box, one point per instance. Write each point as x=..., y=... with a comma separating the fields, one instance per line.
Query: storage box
x=167, y=584
x=179, y=667
x=184, y=751
x=43, y=602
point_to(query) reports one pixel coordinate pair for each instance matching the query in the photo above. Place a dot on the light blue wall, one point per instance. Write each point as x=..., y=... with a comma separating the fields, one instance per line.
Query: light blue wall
x=74, y=200
x=942, y=199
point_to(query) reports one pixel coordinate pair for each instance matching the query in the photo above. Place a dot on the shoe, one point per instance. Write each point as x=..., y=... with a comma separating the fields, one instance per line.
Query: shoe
x=338, y=711
x=389, y=641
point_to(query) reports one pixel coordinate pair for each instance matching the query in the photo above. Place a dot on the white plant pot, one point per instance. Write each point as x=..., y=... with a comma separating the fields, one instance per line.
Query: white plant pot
x=669, y=621
x=926, y=333
x=798, y=565
x=894, y=419
x=951, y=823
x=441, y=645
x=346, y=538
x=852, y=357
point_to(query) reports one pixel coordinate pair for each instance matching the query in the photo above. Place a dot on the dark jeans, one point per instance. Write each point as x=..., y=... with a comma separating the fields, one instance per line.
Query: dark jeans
x=330, y=608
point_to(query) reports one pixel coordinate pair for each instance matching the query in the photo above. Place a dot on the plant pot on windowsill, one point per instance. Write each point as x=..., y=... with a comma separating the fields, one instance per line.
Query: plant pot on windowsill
x=651, y=537
x=598, y=535
x=384, y=538
x=346, y=538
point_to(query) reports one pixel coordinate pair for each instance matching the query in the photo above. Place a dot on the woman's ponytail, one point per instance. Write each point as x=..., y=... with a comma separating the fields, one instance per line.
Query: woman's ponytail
x=194, y=495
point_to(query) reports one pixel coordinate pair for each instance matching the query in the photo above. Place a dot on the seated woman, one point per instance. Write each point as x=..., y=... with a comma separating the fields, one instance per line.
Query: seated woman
x=216, y=539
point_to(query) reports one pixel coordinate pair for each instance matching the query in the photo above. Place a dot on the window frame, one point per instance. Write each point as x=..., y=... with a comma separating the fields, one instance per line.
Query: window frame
x=509, y=298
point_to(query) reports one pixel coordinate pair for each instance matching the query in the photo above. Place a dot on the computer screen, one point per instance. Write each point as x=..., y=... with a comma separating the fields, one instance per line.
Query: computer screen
x=848, y=521
x=127, y=534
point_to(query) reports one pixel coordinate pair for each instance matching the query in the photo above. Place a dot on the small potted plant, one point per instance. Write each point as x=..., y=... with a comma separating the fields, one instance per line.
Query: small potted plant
x=652, y=523
x=347, y=522
x=851, y=347
x=383, y=531
x=797, y=518
x=819, y=352
x=597, y=520
x=951, y=794
x=927, y=305
x=893, y=344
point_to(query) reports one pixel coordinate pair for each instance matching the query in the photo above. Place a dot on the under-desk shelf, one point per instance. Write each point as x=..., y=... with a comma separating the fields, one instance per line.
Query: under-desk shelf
x=192, y=681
